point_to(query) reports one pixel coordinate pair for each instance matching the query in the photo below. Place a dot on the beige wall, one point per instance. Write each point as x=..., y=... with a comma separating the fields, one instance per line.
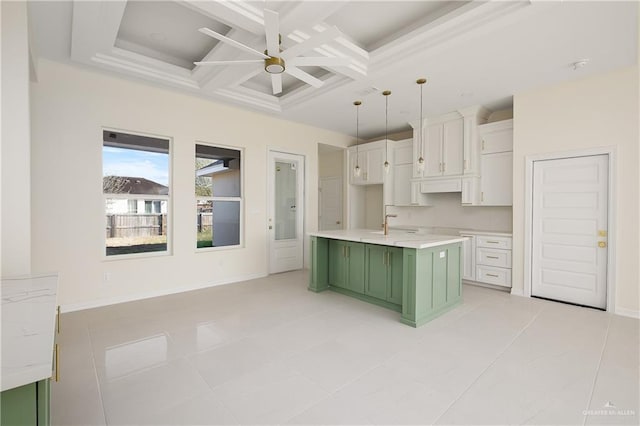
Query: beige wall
x=16, y=183
x=593, y=112
x=69, y=108
x=330, y=164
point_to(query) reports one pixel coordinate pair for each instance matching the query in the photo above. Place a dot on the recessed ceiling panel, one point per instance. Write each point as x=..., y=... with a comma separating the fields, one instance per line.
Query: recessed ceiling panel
x=166, y=31
x=374, y=23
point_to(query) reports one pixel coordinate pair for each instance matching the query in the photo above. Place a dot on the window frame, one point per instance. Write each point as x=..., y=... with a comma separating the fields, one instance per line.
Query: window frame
x=240, y=199
x=167, y=198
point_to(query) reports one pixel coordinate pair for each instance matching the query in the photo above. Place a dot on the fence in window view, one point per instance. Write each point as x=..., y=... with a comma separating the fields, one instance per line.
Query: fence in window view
x=205, y=221
x=136, y=225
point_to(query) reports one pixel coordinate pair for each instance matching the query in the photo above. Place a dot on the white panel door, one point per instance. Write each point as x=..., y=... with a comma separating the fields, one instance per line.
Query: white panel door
x=330, y=195
x=286, y=211
x=569, y=228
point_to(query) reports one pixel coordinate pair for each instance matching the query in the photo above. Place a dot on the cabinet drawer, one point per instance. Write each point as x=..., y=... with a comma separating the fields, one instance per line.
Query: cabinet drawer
x=492, y=275
x=493, y=257
x=493, y=242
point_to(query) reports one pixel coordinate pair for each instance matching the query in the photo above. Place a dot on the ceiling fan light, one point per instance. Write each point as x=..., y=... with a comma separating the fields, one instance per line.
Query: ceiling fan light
x=274, y=65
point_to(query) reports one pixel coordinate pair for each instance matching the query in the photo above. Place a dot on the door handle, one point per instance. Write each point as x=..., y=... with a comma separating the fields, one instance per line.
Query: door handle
x=602, y=244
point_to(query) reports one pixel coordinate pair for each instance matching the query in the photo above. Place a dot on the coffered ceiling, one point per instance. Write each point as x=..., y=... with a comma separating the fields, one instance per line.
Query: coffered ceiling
x=471, y=52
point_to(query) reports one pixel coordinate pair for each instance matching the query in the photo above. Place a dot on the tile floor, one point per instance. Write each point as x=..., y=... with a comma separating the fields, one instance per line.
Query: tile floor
x=269, y=351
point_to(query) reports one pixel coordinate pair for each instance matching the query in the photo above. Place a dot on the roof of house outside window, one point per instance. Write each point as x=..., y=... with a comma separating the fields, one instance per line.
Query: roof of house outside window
x=132, y=185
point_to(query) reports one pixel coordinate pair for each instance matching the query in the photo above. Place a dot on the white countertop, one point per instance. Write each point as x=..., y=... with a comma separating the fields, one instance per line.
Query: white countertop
x=398, y=238
x=28, y=329
x=491, y=233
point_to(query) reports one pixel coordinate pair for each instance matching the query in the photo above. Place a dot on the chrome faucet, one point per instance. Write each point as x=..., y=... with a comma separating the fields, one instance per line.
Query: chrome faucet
x=385, y=225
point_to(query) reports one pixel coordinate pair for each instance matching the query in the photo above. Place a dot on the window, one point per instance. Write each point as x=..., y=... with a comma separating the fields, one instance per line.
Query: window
x=135, y=185
x=218, y=190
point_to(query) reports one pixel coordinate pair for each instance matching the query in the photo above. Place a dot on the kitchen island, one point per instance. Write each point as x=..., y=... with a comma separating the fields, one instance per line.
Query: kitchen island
x=418, y=275
x=28, y=336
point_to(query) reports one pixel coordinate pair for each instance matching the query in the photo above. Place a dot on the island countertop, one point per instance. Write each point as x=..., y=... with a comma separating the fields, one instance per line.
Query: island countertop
x=28, y=329
x=397, y=238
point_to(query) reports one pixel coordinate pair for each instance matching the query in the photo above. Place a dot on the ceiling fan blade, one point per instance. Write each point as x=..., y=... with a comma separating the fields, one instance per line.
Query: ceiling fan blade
x=276, y=83
x=231, y=42
x=306, y=77
x=311, y=43
x=240, y=62
x=272, y=32
x=318, y=61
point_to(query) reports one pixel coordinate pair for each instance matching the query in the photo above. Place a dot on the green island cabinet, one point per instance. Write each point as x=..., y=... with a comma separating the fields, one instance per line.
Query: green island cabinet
x=419, y=283
x=26, y=405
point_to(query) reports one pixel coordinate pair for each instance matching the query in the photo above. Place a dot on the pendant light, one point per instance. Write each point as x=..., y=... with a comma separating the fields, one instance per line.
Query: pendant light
x=356, y=169
x=387, y=166
x=420, y=164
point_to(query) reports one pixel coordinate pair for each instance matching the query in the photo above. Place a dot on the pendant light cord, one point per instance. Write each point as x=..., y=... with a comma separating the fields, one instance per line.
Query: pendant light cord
x=386, y=128
x=421, y=129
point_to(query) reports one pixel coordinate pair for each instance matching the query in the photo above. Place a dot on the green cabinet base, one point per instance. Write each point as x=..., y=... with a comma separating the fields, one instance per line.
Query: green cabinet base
x=366, y=298
x=419, y=283
x=26, y=405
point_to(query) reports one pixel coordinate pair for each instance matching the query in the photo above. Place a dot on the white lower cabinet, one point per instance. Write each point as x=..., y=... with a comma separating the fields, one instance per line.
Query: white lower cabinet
x=468, y=257
x=487, y=259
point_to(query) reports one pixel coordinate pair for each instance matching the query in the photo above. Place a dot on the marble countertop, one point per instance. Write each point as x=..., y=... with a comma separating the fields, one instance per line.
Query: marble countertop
x=28, y=329
x=396, y=237
x=491, y=233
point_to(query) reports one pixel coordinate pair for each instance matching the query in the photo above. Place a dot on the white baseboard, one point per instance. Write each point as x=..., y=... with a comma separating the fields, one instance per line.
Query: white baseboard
x=627, y=312
x=517, y=292
x=73, y=307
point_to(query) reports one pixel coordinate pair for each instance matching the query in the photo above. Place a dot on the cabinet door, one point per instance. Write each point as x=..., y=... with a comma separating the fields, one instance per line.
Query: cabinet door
x=403, y=152
x=19, y=406
x=402, y=185
x=376, y=281
x=468, y=258
x=470, y=190
x=357, y=157
x=375, y=166
x=355, y=270
x=452, y=147
x=433, y=150
x=496, y=183
x=416, y=152
x=337, y=263
x=394, y=275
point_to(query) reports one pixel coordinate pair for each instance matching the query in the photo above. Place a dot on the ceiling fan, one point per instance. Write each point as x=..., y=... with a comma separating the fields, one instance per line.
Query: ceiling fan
x=277, y=61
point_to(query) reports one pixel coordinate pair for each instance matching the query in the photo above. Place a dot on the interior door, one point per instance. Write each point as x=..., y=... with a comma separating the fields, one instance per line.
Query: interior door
x=330, y=201
x=286, y=211
x=569, y=229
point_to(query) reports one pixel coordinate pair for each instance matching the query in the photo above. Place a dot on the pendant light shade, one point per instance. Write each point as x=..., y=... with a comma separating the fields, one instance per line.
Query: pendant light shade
x=387, y=166
x=420, y=164
x=356, y=169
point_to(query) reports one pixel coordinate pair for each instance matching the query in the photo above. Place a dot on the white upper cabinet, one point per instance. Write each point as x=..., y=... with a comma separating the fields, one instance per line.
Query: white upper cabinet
x=402, y=172
x=370, y=158
x=497, y=137
x=496, y=164
x=473, y=117
x=452, y=147
x=433, y=151
x=442, y=146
